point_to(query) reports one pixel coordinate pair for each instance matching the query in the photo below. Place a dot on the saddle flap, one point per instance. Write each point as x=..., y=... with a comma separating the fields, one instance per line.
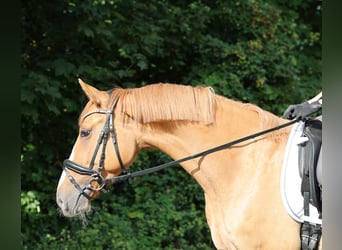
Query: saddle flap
x=308, y=155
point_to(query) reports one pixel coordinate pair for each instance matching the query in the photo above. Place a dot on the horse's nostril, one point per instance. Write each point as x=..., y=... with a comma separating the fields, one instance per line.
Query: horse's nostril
x=62, y=205
x=59, y=201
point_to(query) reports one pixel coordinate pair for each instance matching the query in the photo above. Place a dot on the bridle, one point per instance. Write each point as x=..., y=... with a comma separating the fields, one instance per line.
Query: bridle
x=109, y=130
x=97, y=182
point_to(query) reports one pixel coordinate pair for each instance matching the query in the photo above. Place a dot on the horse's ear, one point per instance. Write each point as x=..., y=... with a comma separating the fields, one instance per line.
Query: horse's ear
x=92, y=93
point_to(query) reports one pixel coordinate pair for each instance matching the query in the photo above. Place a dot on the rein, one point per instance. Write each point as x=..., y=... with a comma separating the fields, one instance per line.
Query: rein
x=129, y=176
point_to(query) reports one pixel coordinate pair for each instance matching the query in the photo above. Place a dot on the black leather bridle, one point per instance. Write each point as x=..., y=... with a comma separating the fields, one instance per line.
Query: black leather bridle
x=98, y=182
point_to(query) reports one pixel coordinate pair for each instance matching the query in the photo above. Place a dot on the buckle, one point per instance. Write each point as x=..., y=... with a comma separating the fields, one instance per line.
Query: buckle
x=97, y=183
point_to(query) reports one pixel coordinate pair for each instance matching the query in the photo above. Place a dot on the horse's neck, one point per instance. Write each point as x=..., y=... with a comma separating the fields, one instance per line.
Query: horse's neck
x=184, y=139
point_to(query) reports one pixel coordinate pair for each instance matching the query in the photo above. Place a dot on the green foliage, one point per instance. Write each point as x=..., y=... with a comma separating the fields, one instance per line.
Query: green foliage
x=264, y=52
x=29, y=202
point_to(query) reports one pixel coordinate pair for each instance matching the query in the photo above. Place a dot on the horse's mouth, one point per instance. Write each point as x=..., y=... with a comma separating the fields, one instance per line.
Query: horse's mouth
x=80, y=207
x=82, y=213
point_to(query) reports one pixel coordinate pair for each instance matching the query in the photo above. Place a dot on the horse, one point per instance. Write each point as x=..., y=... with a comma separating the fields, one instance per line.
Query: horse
x=241, y=184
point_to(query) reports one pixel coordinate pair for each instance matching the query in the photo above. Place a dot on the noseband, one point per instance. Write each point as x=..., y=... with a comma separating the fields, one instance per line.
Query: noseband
x=97, y=182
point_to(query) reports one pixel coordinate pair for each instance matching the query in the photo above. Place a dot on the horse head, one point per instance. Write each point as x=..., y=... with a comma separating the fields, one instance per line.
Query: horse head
x=93, y=161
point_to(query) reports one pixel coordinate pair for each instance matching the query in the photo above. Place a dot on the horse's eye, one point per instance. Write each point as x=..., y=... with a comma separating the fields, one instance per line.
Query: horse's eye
x=84, y=133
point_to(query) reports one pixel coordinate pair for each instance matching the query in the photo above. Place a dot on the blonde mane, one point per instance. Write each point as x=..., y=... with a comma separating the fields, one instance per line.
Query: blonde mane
x=167, y=102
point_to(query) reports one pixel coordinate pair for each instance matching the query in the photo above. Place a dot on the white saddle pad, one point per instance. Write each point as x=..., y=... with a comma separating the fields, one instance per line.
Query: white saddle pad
x=291, y=181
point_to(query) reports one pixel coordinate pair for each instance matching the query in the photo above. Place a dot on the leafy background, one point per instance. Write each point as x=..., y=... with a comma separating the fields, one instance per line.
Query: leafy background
x=264, y=52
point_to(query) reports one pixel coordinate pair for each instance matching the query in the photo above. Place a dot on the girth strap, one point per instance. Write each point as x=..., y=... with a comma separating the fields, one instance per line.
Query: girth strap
x=310, y=235
x=310, y=232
